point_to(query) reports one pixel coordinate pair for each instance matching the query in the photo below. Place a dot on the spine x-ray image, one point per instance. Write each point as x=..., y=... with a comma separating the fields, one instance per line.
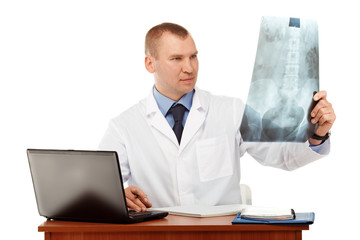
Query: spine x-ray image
x=285, y=77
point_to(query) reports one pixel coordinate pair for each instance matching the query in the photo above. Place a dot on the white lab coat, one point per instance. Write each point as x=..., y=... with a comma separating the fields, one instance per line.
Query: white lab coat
x=205, y=168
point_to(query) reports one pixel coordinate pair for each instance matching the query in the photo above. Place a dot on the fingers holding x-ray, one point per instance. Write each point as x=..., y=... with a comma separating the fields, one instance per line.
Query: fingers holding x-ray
x=323, y=113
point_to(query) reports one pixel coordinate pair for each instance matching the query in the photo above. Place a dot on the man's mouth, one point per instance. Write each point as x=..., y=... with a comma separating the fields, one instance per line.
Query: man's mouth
x=190, y=79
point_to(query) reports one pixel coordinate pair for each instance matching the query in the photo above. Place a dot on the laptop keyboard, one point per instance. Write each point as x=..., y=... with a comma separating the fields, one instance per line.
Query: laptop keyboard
x=134, y=214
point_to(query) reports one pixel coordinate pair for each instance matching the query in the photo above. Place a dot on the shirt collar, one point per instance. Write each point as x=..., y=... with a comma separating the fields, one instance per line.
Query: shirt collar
x=164, y=103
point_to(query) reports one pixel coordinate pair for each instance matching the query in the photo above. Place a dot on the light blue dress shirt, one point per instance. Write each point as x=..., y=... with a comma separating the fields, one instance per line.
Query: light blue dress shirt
x=165, y=103
x=316, y=148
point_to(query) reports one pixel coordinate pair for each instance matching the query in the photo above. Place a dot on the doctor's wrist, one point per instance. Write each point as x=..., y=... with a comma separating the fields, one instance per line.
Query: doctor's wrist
x=314, y=142
x=317, y=139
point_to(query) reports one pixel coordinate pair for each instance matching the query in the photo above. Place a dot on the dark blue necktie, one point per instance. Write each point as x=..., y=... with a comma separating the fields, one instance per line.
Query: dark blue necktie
x=178, y=113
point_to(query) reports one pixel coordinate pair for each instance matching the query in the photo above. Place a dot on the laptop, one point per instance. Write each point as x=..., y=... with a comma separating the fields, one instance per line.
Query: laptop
x=81, y=186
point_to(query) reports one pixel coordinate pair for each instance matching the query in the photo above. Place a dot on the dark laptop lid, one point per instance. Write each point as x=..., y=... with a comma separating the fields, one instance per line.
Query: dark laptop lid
x=78, y=185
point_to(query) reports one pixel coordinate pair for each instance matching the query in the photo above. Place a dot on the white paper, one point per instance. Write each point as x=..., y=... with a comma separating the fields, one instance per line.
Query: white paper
x=202, y=210
x=267, y=213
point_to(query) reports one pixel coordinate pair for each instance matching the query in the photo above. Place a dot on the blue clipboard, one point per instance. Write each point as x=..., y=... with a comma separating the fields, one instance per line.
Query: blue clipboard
x=300, y=218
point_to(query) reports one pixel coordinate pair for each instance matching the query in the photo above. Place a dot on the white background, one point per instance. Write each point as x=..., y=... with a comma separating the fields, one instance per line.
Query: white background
x=67, y=67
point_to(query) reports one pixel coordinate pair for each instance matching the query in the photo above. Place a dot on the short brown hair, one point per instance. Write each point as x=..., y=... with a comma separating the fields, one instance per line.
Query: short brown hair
x=155, y=33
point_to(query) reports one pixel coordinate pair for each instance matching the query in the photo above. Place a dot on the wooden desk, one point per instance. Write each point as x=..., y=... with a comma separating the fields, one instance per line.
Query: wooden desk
x=171, y=227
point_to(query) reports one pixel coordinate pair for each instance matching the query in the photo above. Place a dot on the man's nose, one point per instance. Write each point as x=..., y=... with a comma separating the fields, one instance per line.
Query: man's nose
x=187, y=66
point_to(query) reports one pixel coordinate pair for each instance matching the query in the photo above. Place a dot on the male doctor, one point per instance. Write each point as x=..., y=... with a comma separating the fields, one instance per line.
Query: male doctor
x=182, y=145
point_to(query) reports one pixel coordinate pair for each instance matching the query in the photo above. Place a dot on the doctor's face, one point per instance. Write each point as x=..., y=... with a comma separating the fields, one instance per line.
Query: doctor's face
x=176, y=65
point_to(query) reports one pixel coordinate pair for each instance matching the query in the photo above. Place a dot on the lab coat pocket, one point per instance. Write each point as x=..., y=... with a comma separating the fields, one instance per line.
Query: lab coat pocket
x=213, y=157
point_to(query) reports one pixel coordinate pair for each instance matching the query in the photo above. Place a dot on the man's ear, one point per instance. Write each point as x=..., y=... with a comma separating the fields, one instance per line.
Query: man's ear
x=149, y=64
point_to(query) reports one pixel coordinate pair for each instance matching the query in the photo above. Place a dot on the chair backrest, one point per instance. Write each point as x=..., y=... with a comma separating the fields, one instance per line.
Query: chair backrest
x=245, y=194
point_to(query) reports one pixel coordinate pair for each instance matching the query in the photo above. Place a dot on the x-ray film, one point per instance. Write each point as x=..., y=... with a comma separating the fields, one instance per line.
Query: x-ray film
x=285, y=77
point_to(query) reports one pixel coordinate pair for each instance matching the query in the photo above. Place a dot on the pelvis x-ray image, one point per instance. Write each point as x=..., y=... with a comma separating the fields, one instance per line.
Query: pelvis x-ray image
x=285, y=76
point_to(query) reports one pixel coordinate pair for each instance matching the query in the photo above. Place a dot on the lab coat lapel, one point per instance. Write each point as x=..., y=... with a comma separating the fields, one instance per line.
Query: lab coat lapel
x=157, y=119
x=195, y=118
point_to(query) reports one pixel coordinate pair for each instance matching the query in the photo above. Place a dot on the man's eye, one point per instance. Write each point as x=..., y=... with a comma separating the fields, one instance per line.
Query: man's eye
x=176, y=58
x=194, y=56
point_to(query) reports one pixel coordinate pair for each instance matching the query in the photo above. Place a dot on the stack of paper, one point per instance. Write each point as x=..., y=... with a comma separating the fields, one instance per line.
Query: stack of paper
x=202, y=210
x=266, y=213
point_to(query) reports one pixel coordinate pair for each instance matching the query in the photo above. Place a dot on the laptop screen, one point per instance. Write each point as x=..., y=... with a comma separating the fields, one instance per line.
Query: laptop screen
x=78, y=185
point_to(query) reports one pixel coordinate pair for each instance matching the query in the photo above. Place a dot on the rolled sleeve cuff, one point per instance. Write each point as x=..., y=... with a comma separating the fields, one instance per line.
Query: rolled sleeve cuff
x=322, y=149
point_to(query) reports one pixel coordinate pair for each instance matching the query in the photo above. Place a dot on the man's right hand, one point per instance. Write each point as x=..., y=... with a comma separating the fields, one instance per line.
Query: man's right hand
x=136, y=199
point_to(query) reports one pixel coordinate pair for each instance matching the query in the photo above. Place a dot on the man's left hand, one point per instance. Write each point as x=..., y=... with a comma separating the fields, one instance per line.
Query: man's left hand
x=323, y=114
